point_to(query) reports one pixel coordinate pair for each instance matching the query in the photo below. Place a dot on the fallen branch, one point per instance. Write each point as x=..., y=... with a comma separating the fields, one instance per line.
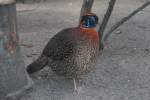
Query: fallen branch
x=119, y=23
x=105, y=21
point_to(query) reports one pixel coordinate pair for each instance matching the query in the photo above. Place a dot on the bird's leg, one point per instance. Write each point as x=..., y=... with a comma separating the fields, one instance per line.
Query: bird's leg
x=76, y=87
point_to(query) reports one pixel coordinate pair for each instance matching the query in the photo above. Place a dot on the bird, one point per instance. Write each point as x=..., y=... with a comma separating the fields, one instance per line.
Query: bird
x=72, y=52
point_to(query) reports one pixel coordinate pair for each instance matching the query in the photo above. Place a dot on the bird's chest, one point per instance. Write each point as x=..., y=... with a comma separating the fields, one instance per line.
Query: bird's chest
x=87, y=45
x=89, y=38
x=89, y=35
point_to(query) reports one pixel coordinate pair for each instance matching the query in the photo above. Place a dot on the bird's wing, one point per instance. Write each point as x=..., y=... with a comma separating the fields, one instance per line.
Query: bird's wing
x=60, y=46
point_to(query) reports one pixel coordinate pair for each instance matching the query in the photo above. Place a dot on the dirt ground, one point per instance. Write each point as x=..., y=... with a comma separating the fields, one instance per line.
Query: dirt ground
x=123, y=68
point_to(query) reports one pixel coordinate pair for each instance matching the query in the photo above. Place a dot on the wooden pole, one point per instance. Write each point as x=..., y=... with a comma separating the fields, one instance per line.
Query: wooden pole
x=13, y=76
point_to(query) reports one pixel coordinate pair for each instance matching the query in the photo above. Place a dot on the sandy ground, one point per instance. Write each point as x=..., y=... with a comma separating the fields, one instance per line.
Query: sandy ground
x=123, y=68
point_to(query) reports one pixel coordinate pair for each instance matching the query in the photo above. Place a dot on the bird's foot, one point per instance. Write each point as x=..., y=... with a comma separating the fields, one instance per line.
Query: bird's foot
x=77, y=89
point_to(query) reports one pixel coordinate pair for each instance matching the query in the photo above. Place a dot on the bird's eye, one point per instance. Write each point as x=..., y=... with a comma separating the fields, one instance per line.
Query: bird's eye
x=93, y=18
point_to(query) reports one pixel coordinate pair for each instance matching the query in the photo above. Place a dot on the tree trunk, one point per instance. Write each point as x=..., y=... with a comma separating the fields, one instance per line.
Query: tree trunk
x=13, y=76
x=104, y=22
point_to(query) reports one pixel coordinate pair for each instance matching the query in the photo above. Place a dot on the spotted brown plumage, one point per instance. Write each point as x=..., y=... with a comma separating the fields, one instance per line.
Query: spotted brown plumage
x=71, y=52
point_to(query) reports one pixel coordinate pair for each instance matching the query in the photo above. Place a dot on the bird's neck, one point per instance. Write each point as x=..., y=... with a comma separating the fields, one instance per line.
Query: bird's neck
x=91, y=32
x=88, y=30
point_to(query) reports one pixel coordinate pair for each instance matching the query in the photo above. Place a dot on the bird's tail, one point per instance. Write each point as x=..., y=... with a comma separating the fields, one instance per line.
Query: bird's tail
x=38, y=64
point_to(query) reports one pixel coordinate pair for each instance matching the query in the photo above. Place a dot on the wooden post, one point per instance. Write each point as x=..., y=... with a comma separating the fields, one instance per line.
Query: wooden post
x=13, y=76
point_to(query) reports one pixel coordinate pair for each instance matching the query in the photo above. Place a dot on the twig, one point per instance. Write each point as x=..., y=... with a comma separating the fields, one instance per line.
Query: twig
x=86, y=7
x=26, y=45
x=119, y=23
x=105, y=21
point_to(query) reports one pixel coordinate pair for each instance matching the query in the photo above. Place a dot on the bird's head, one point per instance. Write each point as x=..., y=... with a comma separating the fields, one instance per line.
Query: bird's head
x=89, y=20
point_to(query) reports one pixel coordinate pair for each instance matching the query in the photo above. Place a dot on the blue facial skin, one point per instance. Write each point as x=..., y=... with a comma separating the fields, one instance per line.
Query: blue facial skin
x=89, y=21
